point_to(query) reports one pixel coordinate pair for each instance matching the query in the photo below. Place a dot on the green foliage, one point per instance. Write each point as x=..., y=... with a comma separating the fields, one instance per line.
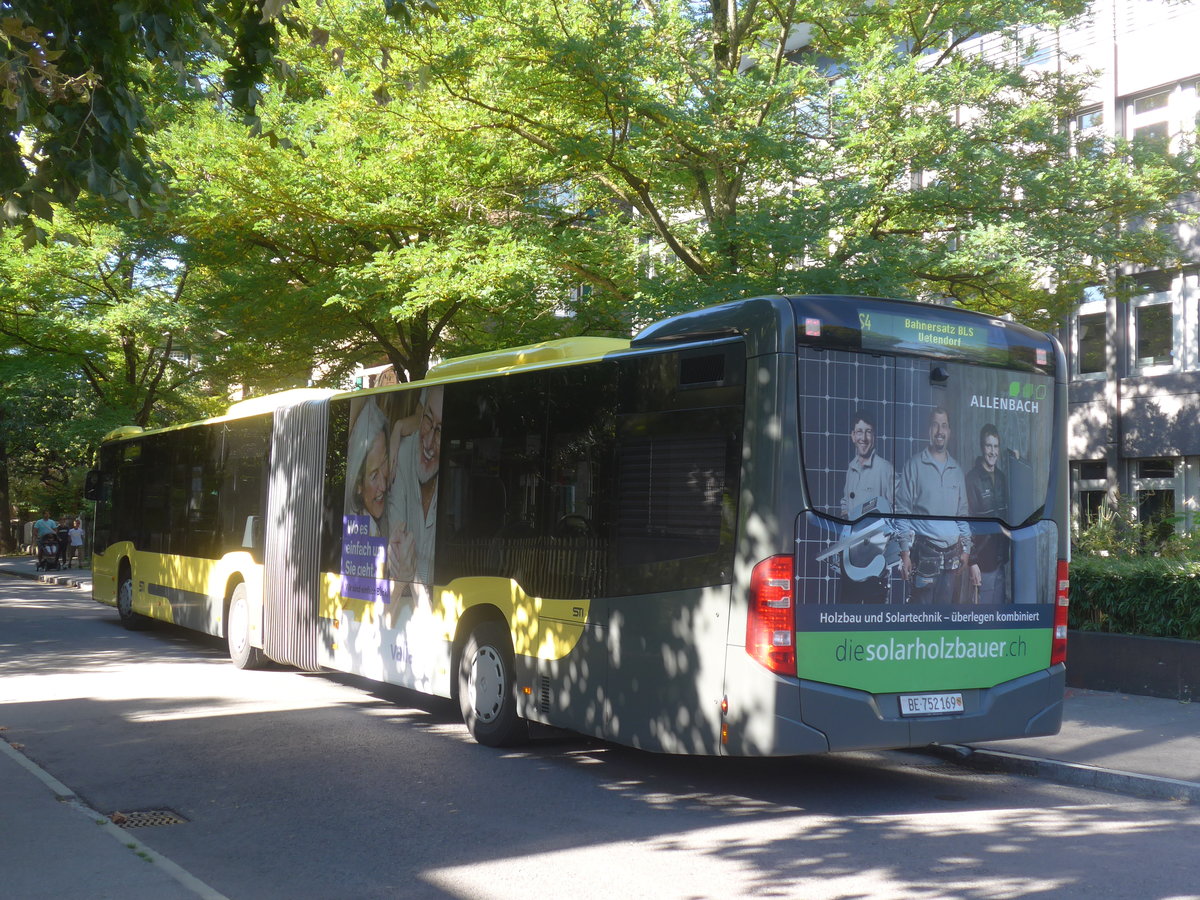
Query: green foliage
x=77, y=78
x=1145, y=595
x=1135, y=577
x=369, y=186
x=881, y=158
x=361, y=222
x=1117, y=531
x=107, y=309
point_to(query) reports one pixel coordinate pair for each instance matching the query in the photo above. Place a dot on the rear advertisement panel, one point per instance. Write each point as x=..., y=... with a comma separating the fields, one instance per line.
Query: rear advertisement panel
x=925, y=563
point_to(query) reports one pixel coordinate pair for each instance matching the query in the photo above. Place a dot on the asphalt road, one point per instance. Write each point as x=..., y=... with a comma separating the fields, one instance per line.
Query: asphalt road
x=327, y=786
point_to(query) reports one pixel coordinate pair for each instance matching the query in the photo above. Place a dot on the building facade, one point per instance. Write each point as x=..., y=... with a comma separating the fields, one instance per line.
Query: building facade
x=1135, y=362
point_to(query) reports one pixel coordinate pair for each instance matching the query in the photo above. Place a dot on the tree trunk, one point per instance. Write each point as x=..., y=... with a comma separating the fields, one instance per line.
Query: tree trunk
x=8, y=541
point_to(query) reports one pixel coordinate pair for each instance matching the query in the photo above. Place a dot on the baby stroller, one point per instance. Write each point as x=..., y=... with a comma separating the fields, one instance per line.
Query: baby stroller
x=47, y=553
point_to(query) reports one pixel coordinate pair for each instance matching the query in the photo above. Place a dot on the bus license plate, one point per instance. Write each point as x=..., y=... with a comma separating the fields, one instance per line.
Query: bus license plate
x=930, y=704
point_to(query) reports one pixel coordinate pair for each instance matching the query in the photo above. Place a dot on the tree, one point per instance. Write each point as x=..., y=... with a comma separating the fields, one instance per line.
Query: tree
x=75, y=77
x=111, y=311
x=405, y=234
x=850, y=146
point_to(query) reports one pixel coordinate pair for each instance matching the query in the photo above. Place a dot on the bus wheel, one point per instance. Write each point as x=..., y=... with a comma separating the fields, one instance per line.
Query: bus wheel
x=237, y=632
x=487, y=687
x=131, y=620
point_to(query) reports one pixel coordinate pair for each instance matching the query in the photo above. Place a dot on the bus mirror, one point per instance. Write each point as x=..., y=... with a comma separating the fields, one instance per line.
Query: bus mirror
x=93, y=485
x=252, y=532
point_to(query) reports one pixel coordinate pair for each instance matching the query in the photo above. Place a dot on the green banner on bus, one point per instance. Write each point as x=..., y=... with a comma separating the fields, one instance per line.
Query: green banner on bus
x=887, y=662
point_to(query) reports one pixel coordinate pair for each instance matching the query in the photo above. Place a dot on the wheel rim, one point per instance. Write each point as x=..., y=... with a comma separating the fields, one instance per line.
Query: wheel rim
x=125, y=598
x=487, y=685
x=237, y=626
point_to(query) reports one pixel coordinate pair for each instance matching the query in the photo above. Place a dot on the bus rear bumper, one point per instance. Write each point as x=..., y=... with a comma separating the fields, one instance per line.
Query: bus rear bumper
x=1029, y=706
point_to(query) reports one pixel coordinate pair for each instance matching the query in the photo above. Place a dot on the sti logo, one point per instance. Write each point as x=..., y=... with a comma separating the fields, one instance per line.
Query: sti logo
x=1017, y=390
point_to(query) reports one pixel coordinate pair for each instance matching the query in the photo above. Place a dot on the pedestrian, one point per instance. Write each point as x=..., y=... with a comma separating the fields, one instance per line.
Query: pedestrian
x=75, y=548
x=63, y=532
x=44, y=526
x=41, y=528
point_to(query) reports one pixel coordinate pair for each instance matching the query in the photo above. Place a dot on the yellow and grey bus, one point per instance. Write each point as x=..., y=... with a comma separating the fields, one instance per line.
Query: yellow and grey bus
x=783, y=525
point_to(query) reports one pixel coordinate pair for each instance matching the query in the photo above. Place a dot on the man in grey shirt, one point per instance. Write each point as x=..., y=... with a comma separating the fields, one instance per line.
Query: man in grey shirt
x=869, y=477
x=868, y=489
x=933, y=552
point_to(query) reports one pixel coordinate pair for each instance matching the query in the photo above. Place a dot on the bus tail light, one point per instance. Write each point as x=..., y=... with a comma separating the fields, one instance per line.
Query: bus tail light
x=771, y=622
x=1058, y=646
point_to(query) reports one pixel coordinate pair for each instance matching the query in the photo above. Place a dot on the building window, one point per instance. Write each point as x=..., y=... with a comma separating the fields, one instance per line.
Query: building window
x=1163, y=119
x=1090, y=336
x=1152, y=317
x=1089, y=482
x=1147, y=120
x=1091, y=344
x=1153, y=329
x=1087, y=128
x=1155, y=492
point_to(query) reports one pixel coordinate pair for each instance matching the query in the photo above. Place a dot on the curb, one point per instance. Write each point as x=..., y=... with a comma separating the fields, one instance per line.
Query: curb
x=1146, y=787
x=62, y=580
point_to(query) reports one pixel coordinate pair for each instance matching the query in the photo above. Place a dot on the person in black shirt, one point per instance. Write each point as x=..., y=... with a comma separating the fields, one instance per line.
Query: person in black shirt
x=987, y=497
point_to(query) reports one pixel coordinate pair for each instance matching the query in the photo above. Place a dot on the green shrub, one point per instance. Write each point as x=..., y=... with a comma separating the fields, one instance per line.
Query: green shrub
x=1117, y=531
x=1147, y=595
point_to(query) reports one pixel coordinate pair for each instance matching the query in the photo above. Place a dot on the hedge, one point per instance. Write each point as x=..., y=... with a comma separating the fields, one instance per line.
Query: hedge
x=1143, y=595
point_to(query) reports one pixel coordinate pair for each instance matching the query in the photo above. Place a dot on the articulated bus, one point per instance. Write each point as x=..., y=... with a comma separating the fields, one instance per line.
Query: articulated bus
x=779, y=526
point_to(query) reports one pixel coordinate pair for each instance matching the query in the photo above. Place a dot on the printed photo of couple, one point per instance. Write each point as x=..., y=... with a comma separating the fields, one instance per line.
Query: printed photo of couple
x=392, y=468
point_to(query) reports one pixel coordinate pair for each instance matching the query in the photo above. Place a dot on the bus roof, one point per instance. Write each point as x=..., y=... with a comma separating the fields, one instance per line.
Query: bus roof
x=557, y=351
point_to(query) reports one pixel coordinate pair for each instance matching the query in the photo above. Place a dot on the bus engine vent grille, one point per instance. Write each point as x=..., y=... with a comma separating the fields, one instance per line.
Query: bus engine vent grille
x=544, y=694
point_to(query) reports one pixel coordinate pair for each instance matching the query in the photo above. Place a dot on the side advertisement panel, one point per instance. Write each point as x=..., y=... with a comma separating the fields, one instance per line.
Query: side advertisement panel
x=386, y=548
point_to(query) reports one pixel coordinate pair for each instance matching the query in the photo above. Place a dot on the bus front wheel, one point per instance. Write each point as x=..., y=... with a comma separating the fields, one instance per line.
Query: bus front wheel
x=487, y=687
x=237, y=632
x=131, y=620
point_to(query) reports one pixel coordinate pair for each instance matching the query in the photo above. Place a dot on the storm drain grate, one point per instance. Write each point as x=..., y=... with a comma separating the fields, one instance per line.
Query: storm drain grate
x=147, y=818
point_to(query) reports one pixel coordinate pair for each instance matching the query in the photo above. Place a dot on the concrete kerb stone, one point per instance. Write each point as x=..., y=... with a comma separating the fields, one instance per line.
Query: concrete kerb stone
x=61, y=580
x=1146, y=787
x=65, y=580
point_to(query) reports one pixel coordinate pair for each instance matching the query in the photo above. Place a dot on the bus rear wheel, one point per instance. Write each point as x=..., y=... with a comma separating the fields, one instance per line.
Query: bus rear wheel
x=487, y=687
x=237, y=632
x=131, y=620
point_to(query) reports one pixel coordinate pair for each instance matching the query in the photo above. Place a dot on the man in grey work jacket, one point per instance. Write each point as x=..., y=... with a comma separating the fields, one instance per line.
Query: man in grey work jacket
x=933, y=552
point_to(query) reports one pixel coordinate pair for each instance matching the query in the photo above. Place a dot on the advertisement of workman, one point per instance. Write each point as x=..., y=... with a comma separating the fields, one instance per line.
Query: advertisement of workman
x=927, y=557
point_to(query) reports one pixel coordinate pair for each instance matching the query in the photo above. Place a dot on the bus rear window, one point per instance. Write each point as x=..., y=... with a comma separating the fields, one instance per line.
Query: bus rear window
x=877, y=429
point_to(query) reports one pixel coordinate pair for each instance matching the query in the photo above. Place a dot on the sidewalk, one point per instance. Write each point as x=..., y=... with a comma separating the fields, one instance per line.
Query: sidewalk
x=54, y=846
x=1143, y=746
x=45, y=824
x=26, y=567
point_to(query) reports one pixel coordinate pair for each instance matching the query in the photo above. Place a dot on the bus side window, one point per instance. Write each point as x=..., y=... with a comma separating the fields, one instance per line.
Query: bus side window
x=526, y=479
x=245, y=448
x=678, y=471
